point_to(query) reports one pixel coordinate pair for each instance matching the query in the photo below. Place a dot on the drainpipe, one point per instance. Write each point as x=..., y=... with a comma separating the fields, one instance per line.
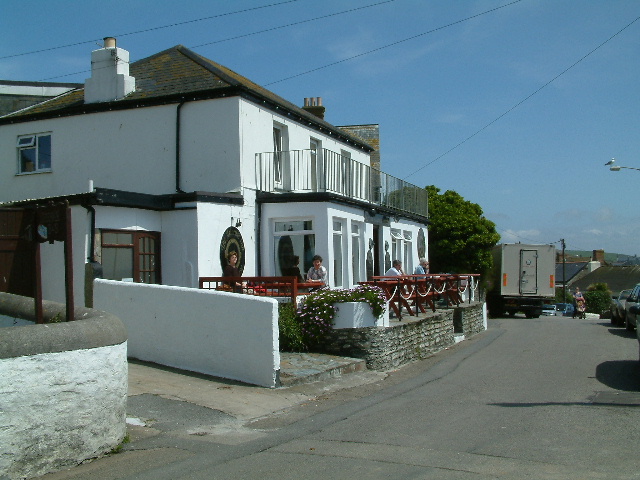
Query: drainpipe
x=178, y=189
x=258, y=242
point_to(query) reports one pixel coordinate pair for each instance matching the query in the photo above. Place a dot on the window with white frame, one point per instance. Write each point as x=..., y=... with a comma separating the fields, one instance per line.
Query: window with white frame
x=408, y=252
x=279, y=147
x=34, y=153
x=345, y=171
x=396, y=245
x=315, y=153
x=338, y=274
x=294, y=240
x=356, y=251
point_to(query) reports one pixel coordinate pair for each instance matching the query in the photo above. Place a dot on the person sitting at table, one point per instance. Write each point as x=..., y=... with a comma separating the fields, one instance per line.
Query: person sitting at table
x=231, y=270
x=294, y=270
x=422, y=268
x=396, y=269
x=317, y=273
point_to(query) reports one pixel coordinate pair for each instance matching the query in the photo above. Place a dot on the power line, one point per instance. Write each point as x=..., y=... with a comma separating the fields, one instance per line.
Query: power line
x=150, y=29
x=391, y=44
x=292, y=24
x=209, y=43
x=523, y=100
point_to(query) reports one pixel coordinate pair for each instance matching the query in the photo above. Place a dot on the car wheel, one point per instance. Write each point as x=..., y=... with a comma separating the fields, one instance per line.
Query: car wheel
x=614, y=320
x=628, y=325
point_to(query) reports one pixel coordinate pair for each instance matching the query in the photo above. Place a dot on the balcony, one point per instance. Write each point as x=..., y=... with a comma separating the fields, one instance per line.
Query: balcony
x=324, y=171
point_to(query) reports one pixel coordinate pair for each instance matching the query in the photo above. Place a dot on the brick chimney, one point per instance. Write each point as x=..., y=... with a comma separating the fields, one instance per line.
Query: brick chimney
x=314, y=105
x=110, y=78
x=598, y=256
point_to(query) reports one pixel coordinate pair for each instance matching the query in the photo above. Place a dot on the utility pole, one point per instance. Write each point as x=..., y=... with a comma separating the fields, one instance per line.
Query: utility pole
x=564, y=274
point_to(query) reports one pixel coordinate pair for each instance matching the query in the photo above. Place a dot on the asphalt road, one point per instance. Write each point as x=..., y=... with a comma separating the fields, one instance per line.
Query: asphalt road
x=547, y=398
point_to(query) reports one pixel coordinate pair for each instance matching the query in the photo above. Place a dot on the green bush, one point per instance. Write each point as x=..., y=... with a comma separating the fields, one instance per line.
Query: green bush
x=598, y=298
x=312, y=322
x=317, y=311
x=290, y=329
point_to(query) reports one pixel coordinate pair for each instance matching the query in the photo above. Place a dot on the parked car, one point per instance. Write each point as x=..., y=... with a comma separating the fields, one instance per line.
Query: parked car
x=549, y=310
x=564, y=309
x=631, y=314
x=618, y=313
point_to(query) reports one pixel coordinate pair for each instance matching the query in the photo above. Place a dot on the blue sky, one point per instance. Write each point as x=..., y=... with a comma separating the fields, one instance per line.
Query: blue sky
x=503, y=107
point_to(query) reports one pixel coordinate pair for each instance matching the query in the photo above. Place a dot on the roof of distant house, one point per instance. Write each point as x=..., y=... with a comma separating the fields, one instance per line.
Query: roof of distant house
x=179, y=74
x=617, y=278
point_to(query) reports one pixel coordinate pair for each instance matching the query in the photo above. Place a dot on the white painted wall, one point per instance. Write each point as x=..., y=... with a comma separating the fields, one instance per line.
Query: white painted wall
x=134, y=150
x=217, y=333
x=51, y=403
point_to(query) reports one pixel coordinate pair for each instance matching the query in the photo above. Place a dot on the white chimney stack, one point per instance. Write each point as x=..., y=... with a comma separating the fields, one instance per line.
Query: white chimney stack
x=110, y=78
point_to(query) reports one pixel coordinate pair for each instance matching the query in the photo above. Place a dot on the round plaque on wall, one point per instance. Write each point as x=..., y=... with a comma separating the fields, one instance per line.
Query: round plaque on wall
x=232, y=242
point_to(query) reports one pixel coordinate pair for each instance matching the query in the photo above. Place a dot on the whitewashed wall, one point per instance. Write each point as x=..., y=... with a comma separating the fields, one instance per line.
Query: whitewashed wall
x=52, y=407
x=117, y=149
x=217, y=333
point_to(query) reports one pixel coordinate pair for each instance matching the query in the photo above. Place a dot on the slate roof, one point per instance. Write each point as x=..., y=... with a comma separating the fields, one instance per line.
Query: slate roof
x=570, y=268
x=174, y=75
x=617, y=278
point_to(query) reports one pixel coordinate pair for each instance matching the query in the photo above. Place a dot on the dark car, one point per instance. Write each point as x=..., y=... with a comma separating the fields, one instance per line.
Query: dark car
x=617, y=308
x=564, y=309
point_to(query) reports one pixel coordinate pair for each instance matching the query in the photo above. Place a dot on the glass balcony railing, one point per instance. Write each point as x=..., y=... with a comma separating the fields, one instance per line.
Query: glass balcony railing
x=303, y=171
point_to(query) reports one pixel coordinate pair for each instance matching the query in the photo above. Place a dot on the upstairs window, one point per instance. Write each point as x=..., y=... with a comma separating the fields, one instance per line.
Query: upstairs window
x=34, y=153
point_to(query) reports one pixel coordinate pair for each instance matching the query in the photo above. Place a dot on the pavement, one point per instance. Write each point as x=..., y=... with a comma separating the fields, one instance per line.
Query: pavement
x=170, y=408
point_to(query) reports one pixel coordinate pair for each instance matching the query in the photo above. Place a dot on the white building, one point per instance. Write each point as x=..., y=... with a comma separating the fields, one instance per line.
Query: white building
x=175, y=161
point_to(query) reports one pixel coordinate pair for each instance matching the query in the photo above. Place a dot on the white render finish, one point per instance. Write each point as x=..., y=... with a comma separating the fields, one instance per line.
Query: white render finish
x=60, y=414
x=110, y=79
x=134, y=150
x=216, y=333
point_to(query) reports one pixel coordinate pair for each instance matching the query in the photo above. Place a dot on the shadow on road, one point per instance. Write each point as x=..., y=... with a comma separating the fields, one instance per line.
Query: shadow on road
x=620, y=374
x=622, y=332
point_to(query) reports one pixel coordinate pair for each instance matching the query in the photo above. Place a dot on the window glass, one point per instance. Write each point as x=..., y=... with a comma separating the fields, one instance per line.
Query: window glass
x=117, y=238
x=294, y=225
x=44, y=152
x=337, y=259
x=117, y=263
x=34, y=153
x=355, y=252
x=298, y=241
x=27, y=160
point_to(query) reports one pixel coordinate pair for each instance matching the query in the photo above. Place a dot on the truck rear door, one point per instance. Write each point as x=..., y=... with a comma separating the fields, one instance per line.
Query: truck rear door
x=528, y=272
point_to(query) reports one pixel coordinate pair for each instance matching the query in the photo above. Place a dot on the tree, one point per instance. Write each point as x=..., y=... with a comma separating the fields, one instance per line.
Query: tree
x=460, y=237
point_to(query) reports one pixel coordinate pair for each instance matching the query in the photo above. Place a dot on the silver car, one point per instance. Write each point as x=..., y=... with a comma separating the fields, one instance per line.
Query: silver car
x=630, y=321
x=617, y=308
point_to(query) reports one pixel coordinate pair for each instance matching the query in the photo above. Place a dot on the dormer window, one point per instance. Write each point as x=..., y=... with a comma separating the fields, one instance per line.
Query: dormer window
x=34, y=153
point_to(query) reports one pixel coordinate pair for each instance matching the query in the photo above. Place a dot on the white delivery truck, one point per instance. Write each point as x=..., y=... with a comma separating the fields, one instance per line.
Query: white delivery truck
x=522, y=280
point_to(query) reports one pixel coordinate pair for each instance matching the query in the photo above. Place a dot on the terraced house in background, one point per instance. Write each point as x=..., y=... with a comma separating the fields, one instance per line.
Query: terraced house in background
x=173, y=161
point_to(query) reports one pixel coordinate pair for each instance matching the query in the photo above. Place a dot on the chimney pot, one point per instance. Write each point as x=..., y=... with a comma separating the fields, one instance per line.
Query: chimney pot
x=109, y=42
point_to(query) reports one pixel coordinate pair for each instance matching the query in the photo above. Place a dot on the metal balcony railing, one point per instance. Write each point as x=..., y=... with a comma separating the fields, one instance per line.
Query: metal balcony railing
x=303, y=171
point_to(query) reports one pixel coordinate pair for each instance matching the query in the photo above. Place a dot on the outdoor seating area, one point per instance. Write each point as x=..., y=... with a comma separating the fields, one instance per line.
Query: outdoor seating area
x=282, y=288
x=415, y=292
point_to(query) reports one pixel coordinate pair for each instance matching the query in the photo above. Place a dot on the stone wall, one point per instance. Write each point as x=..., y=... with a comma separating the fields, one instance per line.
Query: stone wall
x=63, y=388
x=385, y=348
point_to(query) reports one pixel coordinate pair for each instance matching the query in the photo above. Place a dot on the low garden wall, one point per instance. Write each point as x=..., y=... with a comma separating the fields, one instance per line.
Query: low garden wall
x=221, y=334
x=63, y=387
x=386, y=348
